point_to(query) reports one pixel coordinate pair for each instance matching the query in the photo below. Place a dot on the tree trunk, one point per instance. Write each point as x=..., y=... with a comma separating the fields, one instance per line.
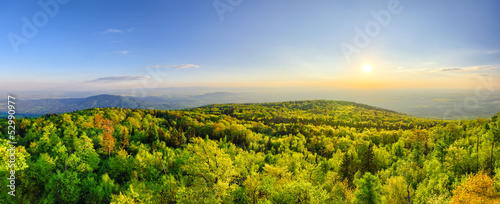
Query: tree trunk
x=477, y=151
x=408, y=190
x=491, y=161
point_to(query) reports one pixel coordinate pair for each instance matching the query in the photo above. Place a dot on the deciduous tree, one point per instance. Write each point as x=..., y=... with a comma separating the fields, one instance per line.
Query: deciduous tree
x=476, y=189
x=108, y=141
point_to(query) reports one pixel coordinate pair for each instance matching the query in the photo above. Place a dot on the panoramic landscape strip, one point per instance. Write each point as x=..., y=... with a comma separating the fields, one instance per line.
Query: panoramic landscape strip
x=260, y=102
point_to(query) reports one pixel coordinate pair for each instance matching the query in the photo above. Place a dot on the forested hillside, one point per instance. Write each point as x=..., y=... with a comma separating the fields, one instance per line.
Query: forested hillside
x=287, y=152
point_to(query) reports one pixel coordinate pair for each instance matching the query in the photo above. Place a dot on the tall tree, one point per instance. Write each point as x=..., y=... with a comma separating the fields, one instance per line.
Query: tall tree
x=347, y=168
x=108, y=141
x=417, y=154
x=368, y=161
x=368, y=190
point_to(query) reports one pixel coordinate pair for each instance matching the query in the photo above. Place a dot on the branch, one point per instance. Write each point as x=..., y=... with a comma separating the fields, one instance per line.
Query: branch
x=198, y=174
x=161, y=162
x=208, y=160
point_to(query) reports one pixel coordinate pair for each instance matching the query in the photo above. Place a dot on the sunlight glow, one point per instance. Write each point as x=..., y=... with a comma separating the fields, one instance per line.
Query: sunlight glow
x=367, y=68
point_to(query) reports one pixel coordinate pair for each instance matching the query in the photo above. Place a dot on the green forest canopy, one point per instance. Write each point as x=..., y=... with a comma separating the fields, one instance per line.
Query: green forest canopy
x=288, y=152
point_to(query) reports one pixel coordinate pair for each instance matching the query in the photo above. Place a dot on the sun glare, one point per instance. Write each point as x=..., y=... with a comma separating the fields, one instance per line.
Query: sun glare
x=367, y=68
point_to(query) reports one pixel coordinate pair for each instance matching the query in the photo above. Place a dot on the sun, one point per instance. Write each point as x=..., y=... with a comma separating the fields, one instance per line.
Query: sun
x=367, y=68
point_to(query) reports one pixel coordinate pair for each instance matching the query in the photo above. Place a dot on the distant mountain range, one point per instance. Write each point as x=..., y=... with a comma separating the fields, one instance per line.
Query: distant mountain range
x=46, y=106
x=427, y=104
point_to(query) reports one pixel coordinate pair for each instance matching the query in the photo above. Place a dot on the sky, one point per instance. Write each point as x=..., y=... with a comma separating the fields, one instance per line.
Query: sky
x=124, y=44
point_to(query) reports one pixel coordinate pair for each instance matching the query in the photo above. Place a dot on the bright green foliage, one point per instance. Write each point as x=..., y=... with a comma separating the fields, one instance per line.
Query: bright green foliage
x=85, y=158
x=105, y=189
x=396, y=190
x=137, y=192
x=120, y=167
x=368, y=190
x=67, y=187
x=300, y=192
x=212, y=169
x=287, y=152
x=20, y=167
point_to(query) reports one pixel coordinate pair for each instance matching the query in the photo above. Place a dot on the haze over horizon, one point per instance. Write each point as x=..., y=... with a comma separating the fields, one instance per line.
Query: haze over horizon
x=78, y=46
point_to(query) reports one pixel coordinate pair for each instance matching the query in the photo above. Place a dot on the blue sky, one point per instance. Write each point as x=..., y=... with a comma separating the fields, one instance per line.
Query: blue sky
x=115, y=44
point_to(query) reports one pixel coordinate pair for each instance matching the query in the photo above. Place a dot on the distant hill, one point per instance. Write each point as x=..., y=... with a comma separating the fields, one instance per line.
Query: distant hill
x=318, y=112
x=436, y=105
x=45, y=106
x=39, y=107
